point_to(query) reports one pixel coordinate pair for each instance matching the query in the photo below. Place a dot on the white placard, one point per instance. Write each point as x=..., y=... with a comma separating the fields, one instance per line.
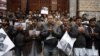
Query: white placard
x=34, y=32
x=22, y=24
x=44, y=10
x=66, y=44
x=5, y=43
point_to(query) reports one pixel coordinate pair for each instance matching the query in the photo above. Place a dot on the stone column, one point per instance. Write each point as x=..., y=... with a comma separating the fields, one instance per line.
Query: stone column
x=73, y=7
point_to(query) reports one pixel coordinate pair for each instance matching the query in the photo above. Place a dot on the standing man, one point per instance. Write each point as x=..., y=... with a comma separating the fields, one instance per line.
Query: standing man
x=19, y=38
x=93, y=43
x=50, y=34
x=19, y=13
x=80, y=33
x=65, y=26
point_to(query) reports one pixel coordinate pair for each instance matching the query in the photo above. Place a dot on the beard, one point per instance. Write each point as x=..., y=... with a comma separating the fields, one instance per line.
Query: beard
x=93, y=25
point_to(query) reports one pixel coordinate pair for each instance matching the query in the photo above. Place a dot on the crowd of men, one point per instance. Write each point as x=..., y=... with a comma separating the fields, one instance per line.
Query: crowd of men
x=43, y=32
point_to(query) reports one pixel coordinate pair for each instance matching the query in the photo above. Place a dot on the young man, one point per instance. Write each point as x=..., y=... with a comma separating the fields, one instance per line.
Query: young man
x=94, y=40
x=19, y=35
x=80, y=33
x=65, y=26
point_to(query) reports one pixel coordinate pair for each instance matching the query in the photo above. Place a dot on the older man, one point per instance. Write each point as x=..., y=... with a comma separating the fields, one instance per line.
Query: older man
x=50, y=34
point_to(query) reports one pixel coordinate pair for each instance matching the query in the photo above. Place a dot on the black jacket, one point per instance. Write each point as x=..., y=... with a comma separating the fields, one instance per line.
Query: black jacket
x=19, y=37
x=80, y=37
x=93, y=39
x=45, y=34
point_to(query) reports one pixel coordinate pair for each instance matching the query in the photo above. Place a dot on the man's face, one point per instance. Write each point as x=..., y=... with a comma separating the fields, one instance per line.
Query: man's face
x=78, y=21
x=29, y=16
x=65, y=21
x=92, y=23
x=50, y=19
x=30, y=12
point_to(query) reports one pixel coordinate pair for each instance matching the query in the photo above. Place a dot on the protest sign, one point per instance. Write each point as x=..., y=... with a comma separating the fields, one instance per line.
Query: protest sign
x=44, y=10
x=66, y=44
x=5, y=43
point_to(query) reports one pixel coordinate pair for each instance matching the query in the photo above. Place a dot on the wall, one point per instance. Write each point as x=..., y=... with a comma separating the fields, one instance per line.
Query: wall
x=13, y=4
x=89, y=7
x=61, y=5
x=73, y=8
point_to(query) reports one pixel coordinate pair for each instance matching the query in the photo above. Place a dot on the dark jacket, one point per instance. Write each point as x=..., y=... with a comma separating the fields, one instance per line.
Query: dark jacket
x=93, y=39
x=63, y=30
x=29, y=41
x=19, y=37
x=9, y=31
x=80, y=37
x=56, y=33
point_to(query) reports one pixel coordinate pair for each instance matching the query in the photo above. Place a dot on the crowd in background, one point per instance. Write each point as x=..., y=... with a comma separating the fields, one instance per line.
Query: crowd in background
x=43, y=32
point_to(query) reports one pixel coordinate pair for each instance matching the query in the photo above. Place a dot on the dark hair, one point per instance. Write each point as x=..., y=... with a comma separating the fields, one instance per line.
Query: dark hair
x=84, y=14
x=78, y=18
x=92, y=19
x=71, y=19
